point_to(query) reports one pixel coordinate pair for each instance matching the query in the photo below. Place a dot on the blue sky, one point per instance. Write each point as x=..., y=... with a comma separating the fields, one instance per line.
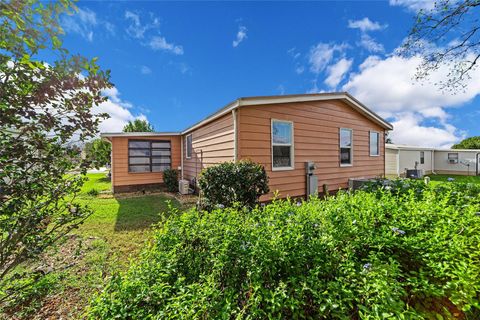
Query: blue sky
x=176, y=62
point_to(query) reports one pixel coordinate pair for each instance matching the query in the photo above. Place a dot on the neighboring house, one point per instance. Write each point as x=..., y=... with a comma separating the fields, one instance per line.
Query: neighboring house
x=431, y=160
x=334, y=130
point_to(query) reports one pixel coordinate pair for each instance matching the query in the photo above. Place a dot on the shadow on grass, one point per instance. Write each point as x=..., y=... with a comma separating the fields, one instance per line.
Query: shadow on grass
x=139, y=213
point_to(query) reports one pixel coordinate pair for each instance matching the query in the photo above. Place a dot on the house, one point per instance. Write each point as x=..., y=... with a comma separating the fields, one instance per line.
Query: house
x=334, y=130
x=398, y=158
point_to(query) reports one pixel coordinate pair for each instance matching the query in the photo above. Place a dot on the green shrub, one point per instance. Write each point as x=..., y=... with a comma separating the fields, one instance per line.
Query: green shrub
x=353, y=256
x=170, y=178
x=228, y=183
x=93, y=192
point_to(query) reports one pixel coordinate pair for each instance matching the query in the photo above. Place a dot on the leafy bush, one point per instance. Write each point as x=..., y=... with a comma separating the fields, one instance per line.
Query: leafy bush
x=93, y=192
x=228, y=183
x=352, y=256
x=170, y=178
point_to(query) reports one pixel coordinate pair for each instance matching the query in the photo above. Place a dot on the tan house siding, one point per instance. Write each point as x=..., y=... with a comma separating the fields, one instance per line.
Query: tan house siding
x=212, y=143
x=120, y=174
x=316, y=138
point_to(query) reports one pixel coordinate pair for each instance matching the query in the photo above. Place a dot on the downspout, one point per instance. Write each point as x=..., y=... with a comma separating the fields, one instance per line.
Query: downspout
x=433, y=161
x=181, y=156
x=235, y=138
x=476, y=160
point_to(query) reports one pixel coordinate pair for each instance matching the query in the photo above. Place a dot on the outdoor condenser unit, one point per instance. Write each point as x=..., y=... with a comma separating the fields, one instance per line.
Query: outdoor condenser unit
x=312, y=180
x=183, y=186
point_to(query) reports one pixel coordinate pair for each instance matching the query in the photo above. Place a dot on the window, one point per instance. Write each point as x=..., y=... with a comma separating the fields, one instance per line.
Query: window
x=282, y=145
x=345, y=147
x=188, y=147
x=148, y=155
x=374, y=143
x=453, y=157
x=422, y=157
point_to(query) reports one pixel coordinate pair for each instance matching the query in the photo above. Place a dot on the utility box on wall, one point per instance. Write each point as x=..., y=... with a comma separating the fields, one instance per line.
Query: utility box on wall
x=312, y=179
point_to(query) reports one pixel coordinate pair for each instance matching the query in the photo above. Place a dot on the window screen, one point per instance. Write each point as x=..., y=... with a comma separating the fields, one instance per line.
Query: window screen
x=149, y=155
x=282, y=144
x=345, y=146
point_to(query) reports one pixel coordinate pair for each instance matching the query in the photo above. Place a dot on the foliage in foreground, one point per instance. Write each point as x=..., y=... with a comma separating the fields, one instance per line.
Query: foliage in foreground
x=370, y=255
x=44, y=107
x=98, y=152
x=227, y=183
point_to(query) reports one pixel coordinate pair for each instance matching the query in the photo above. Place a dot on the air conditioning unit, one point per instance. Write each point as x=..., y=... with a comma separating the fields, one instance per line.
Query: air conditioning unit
x=183, y=186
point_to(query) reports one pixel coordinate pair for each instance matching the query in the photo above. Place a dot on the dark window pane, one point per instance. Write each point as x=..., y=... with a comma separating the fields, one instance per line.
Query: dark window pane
x=139, y=169
x=139, y=144
x=160, y=153
x=140, y=160
x=160, y=168
x=345, y=155
x=139, y=152
x=165, y=145
x=281, y=156
x=161, y=160
x=189, y=146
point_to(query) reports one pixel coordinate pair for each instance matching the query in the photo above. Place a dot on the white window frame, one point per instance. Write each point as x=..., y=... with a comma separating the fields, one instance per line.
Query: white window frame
x=291, y=145
x=422, y=156
x=340, y=148
x=186, y=146
x=370, y=145
x=456, y=158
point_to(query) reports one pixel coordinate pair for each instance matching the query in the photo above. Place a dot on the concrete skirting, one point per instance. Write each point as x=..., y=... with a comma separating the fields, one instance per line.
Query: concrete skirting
x=139, y=188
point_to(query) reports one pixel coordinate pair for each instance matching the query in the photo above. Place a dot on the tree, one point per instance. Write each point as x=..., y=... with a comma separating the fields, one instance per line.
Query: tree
x=97, y=152
x=43, y=108
x=138, y=125
x=469, y=143
x=449, y=34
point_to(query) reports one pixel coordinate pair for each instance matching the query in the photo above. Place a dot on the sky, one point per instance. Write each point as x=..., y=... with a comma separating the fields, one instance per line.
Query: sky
x=174, y=63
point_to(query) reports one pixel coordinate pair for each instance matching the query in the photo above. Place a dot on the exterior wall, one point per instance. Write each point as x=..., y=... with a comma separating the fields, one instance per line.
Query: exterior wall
x=391, y=162
x=442, y=166
x=408, y=158
x=120, y=175
x=212, y=143
x=316, y=128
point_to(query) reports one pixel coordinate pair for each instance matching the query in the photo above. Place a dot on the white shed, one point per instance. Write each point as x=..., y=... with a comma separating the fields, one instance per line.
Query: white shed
x=398, y=158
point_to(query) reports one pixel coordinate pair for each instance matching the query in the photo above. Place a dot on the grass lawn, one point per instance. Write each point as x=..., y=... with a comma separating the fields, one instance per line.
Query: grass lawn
x=82, y=264
x=440, y=178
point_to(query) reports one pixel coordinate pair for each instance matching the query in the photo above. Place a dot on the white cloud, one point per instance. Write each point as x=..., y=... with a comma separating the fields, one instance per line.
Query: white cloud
x=85, y=23
x=410, y=131
x=414, y=5
x=137, y=29
x=370, y=44
x=387, y=86
x=241, y=35
x=322, y=54
x=117, y=109
x=365, y=25
x=160, y=43
x=337, y=71
x=145, y=70
x=82, y=22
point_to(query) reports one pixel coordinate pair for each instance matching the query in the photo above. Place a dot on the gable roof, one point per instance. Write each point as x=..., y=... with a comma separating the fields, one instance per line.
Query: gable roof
x=263, y=100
